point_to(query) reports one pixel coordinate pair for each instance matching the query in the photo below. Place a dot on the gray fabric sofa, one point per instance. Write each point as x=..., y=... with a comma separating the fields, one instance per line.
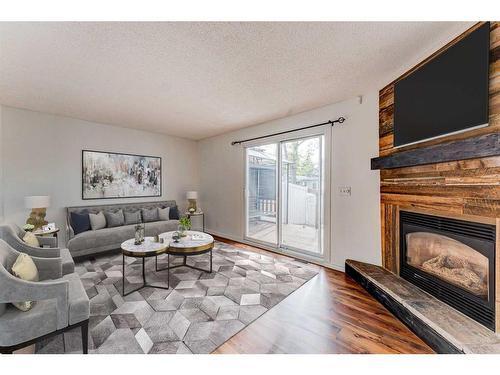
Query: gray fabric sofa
x=97, y=241
x=61, y=302
x=13, y=235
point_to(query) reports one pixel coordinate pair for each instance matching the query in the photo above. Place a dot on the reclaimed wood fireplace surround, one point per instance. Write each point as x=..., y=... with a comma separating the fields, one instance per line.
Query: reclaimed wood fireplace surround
x=457, y=176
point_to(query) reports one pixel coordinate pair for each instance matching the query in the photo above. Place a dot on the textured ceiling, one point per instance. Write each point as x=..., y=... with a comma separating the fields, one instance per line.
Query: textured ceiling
x=198, y=79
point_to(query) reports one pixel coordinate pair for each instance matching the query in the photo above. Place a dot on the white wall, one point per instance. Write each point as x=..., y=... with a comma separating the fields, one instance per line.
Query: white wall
x=42, y=156
x=355, y=220
x=1, y=169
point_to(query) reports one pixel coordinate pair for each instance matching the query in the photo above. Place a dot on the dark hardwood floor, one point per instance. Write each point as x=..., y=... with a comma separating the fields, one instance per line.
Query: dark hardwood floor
x=329, y=314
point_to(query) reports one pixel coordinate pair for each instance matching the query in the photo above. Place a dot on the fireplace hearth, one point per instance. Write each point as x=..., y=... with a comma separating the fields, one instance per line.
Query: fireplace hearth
x=454, y=260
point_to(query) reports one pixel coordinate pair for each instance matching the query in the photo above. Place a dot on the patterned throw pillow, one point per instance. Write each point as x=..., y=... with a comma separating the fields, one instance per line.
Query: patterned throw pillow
x=132, y=217
x=164, y=213
x=97, y=221
x=25, y=269
x=31, y=239
x=149, y=214
x=114, y=219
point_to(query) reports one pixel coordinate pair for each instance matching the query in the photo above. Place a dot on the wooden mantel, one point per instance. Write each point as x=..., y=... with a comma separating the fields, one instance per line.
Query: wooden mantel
x=466, y=186
x=478, y=146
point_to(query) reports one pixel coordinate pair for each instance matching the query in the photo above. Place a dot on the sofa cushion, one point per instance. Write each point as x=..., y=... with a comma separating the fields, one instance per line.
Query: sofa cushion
x=101, y=238
x=174, y=213
x=149, y=214
x=158, y=227
x=114, y=219
x=80, y=221
x=113, y=237
x=16, y=327
x=97, y=221
x=164, y=213
x=132, y=217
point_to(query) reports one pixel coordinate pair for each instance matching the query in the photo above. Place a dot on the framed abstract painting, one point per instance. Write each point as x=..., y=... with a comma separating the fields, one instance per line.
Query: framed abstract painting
x=114, y=175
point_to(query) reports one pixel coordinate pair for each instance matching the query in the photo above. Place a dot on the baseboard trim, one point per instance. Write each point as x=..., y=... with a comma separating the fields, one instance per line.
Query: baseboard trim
x=332, y=266
x=224, y=235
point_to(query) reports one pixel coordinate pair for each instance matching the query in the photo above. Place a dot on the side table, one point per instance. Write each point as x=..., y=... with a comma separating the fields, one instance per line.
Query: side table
x=51, y=232
x=197, y=214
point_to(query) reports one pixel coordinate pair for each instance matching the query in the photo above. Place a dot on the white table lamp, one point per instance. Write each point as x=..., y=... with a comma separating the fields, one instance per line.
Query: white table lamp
x=38, y=205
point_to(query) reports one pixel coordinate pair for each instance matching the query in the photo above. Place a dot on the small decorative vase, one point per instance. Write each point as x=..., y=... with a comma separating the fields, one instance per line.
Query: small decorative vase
x=143, y=232
x=139, y=234
x=182, y=231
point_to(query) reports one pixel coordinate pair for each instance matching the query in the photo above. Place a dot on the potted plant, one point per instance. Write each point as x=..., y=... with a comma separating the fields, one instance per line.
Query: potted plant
x=184, y=225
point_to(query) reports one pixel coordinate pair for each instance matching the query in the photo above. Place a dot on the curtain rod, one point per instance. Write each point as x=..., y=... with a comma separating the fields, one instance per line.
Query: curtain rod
x=340, y=120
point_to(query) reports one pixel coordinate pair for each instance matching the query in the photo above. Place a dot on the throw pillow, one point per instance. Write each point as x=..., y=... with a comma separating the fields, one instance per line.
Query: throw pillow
x=25, y=269
x=164, y=213
x=114, y=219
x=31, y=239
x=132, y=217
x=174, y=213
x=149, y=214
x=80, y=222
x=97, y=221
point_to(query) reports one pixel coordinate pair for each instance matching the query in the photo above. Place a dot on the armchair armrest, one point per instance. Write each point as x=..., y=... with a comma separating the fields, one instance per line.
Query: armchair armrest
x=37, y=251
x=46, y=241
x=17, y=290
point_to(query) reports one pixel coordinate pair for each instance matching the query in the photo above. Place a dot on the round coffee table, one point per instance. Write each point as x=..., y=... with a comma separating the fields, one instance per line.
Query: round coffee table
x=194, y=243
x=147, y=249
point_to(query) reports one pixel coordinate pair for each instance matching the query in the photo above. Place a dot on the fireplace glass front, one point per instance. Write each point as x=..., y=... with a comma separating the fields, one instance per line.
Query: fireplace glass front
x=451, y=259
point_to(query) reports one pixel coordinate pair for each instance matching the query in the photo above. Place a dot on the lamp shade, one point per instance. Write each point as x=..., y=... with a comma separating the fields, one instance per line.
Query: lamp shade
x=37, y=201
x=192, y=195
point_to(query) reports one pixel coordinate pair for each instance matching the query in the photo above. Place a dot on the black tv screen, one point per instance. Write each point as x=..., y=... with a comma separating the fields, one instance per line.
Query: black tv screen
x=446, y=95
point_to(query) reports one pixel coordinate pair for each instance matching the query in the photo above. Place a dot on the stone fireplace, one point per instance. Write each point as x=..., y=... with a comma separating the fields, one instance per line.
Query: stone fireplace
x=454, y=260
x=440, y=213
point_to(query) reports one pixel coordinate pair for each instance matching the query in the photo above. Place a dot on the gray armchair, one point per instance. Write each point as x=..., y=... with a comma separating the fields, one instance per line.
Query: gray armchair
x=62, y=303
x=13, y=235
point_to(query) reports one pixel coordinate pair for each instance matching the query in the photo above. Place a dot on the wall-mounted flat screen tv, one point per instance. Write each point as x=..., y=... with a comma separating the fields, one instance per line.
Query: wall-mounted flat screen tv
x=446, y=95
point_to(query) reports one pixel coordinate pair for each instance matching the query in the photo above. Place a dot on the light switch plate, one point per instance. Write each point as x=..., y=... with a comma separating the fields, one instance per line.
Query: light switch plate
x=345, y=191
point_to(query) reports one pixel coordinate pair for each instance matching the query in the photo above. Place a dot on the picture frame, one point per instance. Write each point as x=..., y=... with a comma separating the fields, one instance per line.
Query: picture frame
x=115, y=175
x=49, y=227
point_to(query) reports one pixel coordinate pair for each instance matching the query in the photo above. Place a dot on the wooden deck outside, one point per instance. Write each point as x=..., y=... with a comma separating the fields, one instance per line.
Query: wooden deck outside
x=298, y=236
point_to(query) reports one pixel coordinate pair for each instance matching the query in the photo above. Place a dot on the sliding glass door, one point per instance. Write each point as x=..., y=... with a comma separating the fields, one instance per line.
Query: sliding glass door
x=301, y=194
x=285, y=194
x=262, y=193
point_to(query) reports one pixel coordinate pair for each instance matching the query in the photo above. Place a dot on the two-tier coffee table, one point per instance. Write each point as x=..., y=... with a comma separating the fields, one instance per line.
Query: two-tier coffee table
x=147, y=249
x=194, y=243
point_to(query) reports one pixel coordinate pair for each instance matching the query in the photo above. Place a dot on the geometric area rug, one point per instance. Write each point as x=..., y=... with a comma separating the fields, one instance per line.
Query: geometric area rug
x=197, y=314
